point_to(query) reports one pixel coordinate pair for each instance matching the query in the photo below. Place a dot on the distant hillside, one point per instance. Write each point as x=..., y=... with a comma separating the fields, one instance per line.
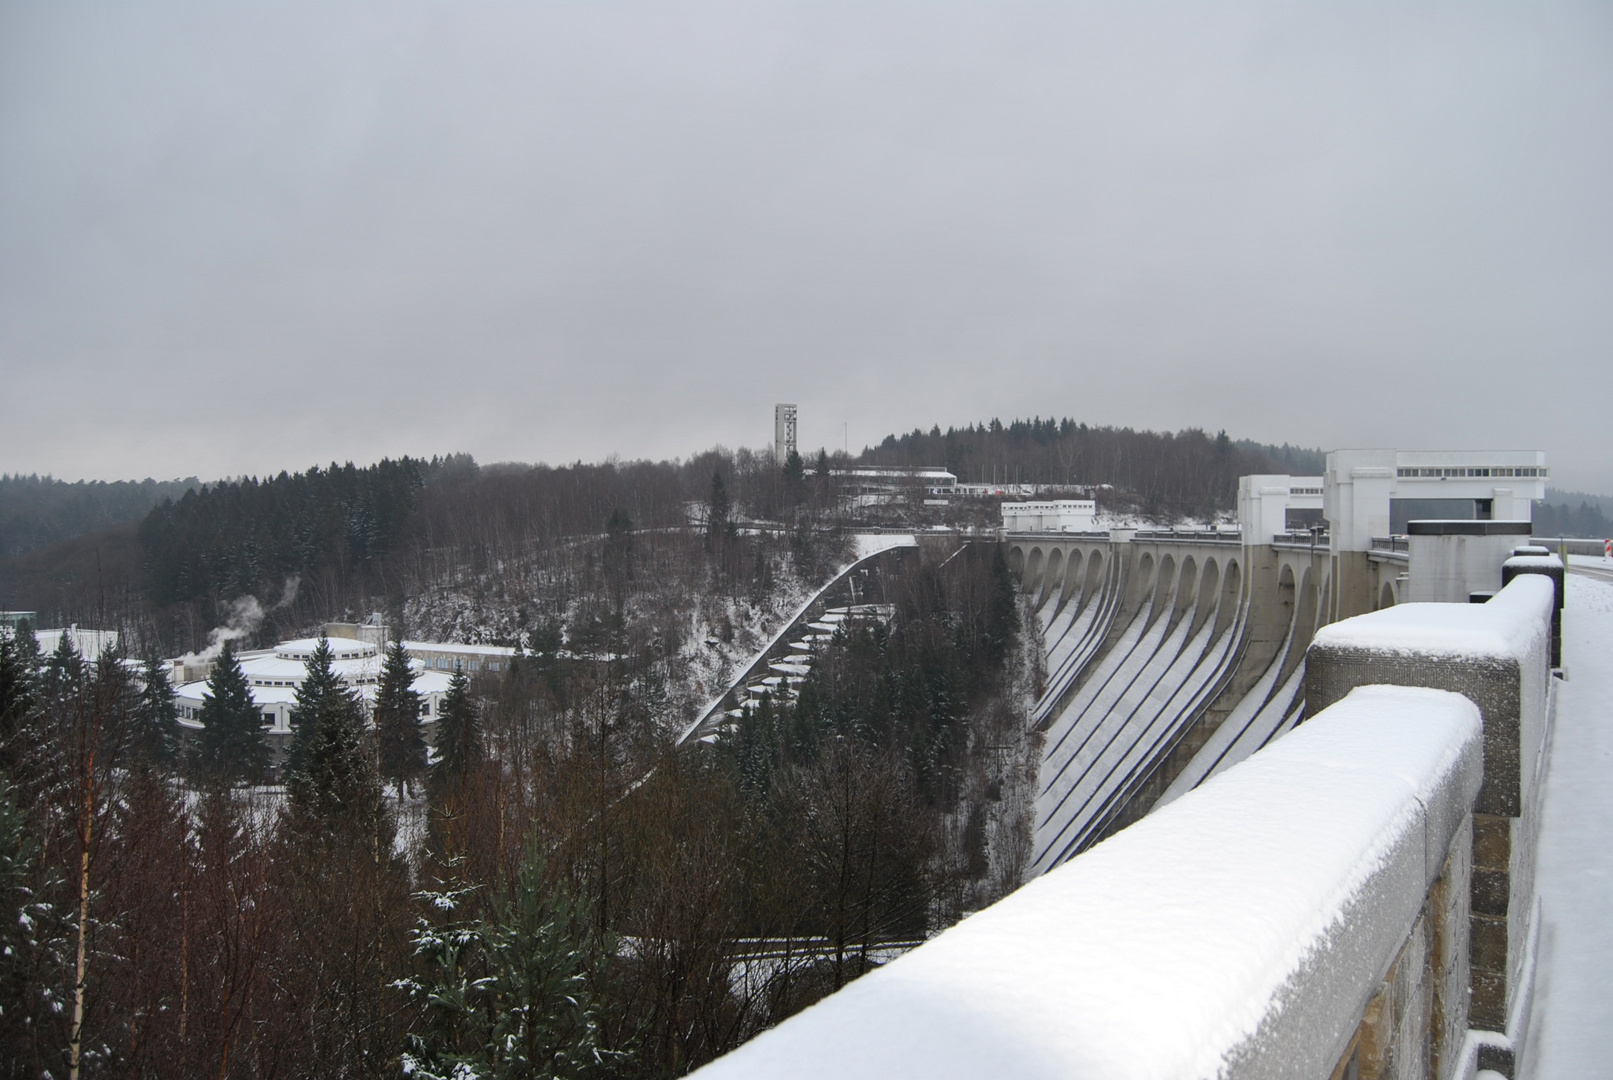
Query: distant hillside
x=1297, y=460
x=93, y=579
x=1574, y=514
x=1162, y=474
x=39, y=510
x=1557, y=497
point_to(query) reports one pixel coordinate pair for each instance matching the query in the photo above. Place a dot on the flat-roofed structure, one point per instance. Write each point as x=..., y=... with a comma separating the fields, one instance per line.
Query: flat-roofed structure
x=273, y=676
x=1371, y=497
x=869, y=479
x=1270, y=505
x=1053, y=515
x=1374, y=493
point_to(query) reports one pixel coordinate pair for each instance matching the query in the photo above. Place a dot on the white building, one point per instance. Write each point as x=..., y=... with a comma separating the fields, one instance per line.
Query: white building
x=87, y=643
x=275, y=674
x=1374, y=493
x=870, y=479
x=881, y=485
x=1269, y=505
x=1057, y=516
x=445, y=656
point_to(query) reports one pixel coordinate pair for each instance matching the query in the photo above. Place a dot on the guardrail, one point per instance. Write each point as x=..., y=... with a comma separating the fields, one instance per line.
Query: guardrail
x=1574, y=546
x=1275, y=922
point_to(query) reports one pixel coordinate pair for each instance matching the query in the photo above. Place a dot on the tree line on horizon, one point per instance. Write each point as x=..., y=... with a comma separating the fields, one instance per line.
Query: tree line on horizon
x=36, y=511
x=352, y=539
x=1162, y=475
x=345, y=541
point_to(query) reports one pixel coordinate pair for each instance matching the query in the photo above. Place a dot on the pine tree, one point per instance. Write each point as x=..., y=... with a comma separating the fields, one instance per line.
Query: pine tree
x=26, y=939
x=402, y=750
x=231, y=746
x=717, y=511
x=338, y=783
x=522, y=993
x=548, y=972
x=64, y=671
x=794, y=467
x=19, y=690
x=459, y=737
x=156, y=717
x=319, y=680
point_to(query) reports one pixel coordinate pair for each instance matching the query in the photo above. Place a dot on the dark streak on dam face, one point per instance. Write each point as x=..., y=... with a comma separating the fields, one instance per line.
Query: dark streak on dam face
x=1169, y=659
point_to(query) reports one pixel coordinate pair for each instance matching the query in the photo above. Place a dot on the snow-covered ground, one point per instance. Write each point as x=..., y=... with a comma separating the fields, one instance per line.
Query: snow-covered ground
x=1573, y=1006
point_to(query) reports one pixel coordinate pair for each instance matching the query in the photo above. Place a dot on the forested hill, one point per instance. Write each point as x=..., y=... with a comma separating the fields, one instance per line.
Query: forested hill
x=1574, y=513
x=244, y=535
x=40, y=510
x=1160, y=473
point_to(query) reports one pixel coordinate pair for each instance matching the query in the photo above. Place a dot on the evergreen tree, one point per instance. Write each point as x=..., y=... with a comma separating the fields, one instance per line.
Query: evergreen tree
x=231, y=746
x=459, y=736
x=548, y=970
x=27, y=922
x=717, y=511
x=337, y=783
x=64, y=671
x=794, y=467
x=519, y=994
x=402, y=750
x=156, y=717
x=19, y=690
x=319, y=680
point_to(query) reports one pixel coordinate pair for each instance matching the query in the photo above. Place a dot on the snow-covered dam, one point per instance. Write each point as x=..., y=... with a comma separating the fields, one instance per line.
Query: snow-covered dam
x=1169, y=658
x=1351, y=897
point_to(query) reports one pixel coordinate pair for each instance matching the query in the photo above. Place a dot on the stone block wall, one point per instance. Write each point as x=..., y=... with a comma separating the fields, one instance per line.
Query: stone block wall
x=1415, y=1025
x=1508, y=676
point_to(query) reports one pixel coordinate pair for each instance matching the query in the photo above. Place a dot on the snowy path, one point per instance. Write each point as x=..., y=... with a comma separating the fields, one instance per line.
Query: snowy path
x=1573, y=1005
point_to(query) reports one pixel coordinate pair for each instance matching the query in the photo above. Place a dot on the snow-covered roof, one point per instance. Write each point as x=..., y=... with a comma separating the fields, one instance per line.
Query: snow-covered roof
x=1515, y=621
x=274, y=681
x=454, y=647
x=87, y=643
x=340, y=648
x=1244, y=926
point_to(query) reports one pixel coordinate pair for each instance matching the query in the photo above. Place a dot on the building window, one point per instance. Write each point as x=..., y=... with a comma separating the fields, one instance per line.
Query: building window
x=268, y=718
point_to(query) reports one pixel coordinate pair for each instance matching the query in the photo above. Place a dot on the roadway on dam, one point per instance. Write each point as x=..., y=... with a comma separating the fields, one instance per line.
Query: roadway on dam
x=1573, y=1005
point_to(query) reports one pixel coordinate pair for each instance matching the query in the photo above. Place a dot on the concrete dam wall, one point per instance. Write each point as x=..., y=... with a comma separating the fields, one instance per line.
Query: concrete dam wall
x=1169, y=658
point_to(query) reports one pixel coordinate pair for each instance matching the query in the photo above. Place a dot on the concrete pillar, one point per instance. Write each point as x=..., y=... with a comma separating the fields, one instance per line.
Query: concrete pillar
x=1539, y=560
x=1450, y=560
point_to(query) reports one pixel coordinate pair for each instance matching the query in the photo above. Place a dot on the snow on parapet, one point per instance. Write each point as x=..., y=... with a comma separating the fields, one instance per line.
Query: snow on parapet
x=1510, y=626
x=1238, y=932
x=1535, y=562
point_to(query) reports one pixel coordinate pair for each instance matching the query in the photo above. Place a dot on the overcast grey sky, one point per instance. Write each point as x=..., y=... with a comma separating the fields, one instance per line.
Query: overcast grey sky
x=239, y=238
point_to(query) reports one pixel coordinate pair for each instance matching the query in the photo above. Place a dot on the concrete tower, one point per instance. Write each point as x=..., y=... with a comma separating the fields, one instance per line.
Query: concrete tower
x=783, y=432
